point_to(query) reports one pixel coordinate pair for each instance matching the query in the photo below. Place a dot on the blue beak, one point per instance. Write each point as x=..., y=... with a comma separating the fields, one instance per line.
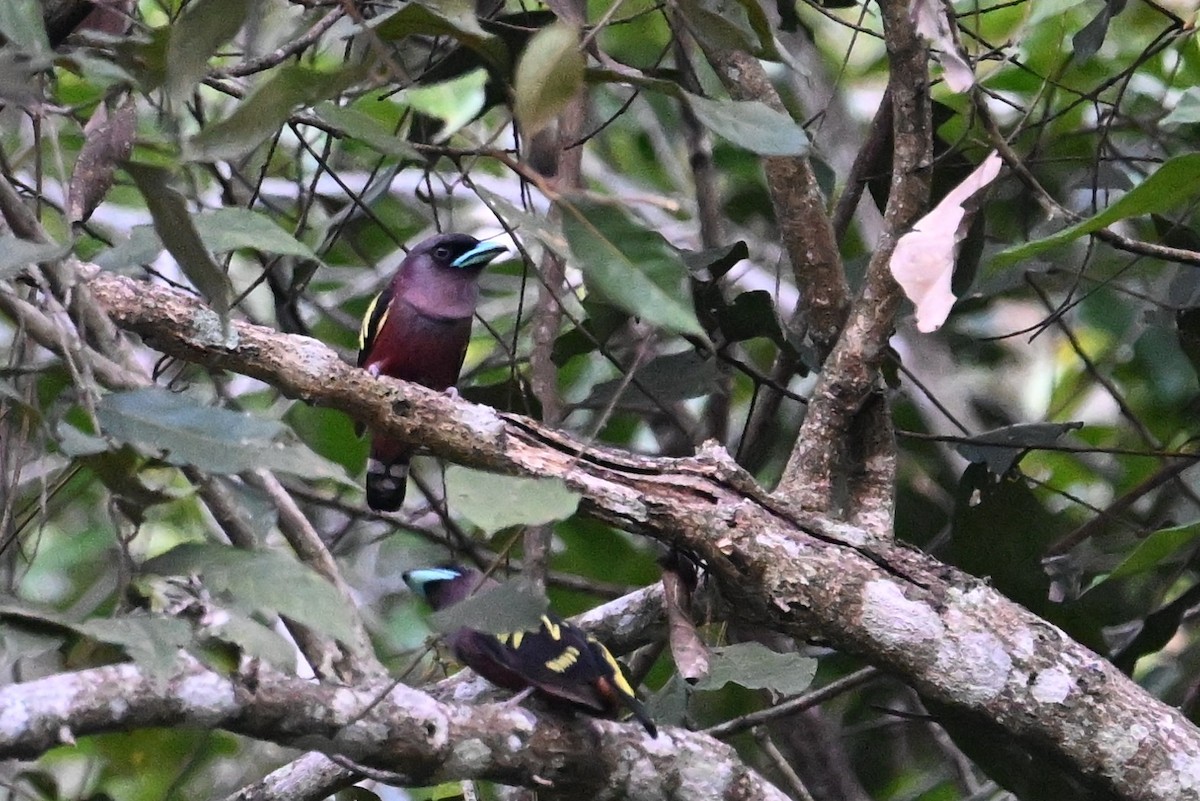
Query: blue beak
x=479, y=255
x=417, y=580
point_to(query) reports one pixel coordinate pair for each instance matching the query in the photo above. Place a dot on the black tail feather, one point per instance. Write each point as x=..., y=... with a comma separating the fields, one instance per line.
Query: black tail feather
x=386, y=483
x=639, y=712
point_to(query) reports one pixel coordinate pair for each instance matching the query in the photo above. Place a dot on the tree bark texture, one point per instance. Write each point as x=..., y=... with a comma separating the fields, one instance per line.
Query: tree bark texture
x=950, y=635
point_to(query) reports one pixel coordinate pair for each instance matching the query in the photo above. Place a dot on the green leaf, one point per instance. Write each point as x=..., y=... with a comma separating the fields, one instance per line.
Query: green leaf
x=548, y=75
x=1171, y=184
x=756, y=667
x=257, y=581
x=661, y=381
x=73, y=442
x=220, y=230
x=752, y=314
x=255, y=639
x=461, y=24
x=21, y=23
x=236, y=228
x=329, y=433
x=1049, y=9
x=752, y=125
x=602, y=322
x=540, y=225
x=1187, y=330
x=757, y=20
x=153, y=642
x=1160, y=546
x=492, y=501
x=669, y=705
x=728, y=31
x=34, y=617
x=266, y=109
x=447, y=791
x=1088, y=41
x=259, y=511
x=142, y=247
x=174, y=227
x=16, y=254
x=508, y=607
x=215, y=440
x=712, y=264
x=1000, y=531
x=23, y=645
x=630, y=266
x=455, y=102
x=1185, y=110
x=1001, y=448
x=203, y=26
x=366, y=129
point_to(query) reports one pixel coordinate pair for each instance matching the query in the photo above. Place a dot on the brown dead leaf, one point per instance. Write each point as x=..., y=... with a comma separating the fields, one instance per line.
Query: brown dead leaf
x=687, y=647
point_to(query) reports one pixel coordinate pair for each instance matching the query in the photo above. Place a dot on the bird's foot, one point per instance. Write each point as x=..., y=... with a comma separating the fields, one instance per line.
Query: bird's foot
x=451, y=393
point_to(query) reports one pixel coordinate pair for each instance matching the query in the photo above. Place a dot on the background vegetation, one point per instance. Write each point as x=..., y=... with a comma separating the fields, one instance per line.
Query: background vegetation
x=675, y=277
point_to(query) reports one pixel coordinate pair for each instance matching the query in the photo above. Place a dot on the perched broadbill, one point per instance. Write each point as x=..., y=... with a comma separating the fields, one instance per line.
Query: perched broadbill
x=558, y=660
x=418, y=329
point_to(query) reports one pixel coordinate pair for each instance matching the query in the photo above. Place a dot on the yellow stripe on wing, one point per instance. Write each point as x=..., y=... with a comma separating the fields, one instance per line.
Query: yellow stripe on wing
x=565, y=660
x=618, y=674
x=370, y=326
x=551, y=628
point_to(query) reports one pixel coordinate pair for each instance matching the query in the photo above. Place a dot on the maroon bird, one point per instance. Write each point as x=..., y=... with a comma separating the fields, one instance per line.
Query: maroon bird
x=418, y=329
x=561, y=661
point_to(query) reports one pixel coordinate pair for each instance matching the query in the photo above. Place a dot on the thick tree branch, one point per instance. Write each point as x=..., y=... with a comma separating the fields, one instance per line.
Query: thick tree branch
x=951, y=636
x=387, y=726
x=850, y=372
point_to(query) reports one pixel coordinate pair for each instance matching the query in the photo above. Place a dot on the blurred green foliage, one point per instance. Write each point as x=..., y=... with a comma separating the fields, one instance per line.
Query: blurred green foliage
x=1093, y=528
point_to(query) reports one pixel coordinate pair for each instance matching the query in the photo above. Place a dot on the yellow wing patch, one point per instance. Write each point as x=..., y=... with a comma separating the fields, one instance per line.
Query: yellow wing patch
x=552, y=628
x=618, y=674
x=370, y=326
x=565, y=660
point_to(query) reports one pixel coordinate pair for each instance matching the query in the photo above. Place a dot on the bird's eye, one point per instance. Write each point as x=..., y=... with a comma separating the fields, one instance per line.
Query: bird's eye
x=442, y=253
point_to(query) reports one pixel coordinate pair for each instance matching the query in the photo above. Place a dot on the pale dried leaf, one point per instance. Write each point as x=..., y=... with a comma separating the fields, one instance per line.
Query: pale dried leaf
x=932, y=22
x=923, y=261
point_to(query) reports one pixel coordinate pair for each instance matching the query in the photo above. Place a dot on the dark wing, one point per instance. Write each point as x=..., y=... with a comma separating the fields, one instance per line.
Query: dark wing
x=557, y=659
x=616, y=687
x=372, y=322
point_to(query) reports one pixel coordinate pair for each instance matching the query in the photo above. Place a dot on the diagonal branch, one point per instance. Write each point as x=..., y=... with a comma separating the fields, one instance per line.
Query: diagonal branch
x=955, y=639
x=850, y=372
